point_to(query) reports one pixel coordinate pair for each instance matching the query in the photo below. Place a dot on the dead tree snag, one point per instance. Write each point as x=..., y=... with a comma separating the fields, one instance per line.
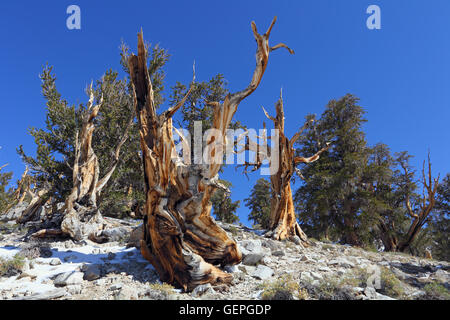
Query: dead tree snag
x=419, y=215
x=283, y=222
x=79, y=218
x=181, y=239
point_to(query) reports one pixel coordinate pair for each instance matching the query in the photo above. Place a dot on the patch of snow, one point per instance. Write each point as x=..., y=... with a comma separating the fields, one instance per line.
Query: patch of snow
x=8, y=252
x=71, y=260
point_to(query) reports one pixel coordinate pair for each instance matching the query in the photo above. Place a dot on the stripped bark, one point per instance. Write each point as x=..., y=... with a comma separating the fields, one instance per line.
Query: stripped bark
x=283, y=222
x=38, y=198
x=82, y=219
x=37, y=202
x=23, y=186
x=79, y=218
x=181, y=239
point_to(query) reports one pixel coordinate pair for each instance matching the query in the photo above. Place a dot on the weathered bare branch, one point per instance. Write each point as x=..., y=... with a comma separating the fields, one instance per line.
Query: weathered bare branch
x=171, y=111
x=313, y=158
x=101, y=184
x=281, y=45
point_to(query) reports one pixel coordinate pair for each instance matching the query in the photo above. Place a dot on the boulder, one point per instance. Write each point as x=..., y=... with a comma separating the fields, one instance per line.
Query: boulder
x=68, y=278
x=252, y=259
x=91, y=272
x=113, y=234
x=341, y=262
x=55, y=262
x=74, y=289
x=271, y=244
x=252, y=252
x=252, y=245
x=442, y=276
x=278, y=253
x=36, y=249
x=202, y=289
x=262, y=272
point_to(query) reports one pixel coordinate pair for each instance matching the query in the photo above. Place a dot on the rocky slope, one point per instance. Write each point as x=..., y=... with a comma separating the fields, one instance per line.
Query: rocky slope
x=270, y=270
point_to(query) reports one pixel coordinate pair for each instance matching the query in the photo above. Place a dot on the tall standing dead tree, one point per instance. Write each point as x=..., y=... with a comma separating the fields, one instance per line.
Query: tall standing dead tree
x=80, y=218
x=283, y=222
x=419, y=215
x=181, y=239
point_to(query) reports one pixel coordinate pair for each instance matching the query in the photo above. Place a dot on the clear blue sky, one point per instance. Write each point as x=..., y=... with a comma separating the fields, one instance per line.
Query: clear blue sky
x=401, y=72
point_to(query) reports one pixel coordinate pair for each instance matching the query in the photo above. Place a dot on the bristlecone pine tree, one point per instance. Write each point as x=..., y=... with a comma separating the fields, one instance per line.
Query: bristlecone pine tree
x=5, y=195
x=331, y=199
x=419, y=215
x=441, y=223
x=283, y=221
x=87, y=183
x=67, y=144
x=224, y=208
x=80, y=218
x=181, y=240
x=259, y=203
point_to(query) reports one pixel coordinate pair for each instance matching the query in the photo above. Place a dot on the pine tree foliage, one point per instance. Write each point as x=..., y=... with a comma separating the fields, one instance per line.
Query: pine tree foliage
x=51, y=167
x=329, y=202
x=224, y=207
x=440, y=224
x=259, y=203
x=364, y=195
x=5, y=192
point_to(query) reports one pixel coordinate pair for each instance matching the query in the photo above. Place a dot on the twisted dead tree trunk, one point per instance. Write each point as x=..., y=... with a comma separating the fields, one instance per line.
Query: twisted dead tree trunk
x=85, y=176
x=80, y=217
x=38, y=198
x=85, y=222
x=283, y=222
x=37, y=202
x=181, y=239
x=419, y=215
x=22, y=190
x=23, y=186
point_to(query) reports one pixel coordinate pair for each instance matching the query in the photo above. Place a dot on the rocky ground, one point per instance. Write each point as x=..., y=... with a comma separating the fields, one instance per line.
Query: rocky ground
x=270, y=270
